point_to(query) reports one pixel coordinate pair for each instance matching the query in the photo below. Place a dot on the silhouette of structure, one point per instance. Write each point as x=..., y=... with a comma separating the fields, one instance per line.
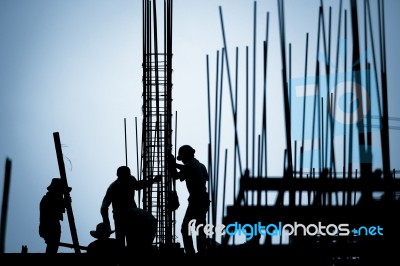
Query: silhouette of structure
x=325, y=209
x=313, y=198
x=157, y=117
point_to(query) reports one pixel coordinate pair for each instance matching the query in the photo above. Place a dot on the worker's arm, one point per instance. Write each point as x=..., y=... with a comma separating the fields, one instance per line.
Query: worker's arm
x=172, y=166
x=141, y=184
x=179, y=166
x=104, y=209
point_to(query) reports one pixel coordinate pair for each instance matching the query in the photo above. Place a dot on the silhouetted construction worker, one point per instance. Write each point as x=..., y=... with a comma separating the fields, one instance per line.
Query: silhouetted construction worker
x=52, y=209
x=104, y=246
x=196, y=177
x=121, y=195
x=141, y=228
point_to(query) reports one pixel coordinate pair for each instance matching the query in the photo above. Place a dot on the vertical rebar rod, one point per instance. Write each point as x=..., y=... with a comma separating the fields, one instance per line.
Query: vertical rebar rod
x=137, y=149
x=289, y=169
x=254, y=85
x=304, y=106
x=334, y=100
x=247, y=107
x=322, y=132
x=316, y=91
x=216, y=125
x=236, y=108
x=259, y=151
x=137, y=162
x=374, y=60
x=230, y=91
x=210, y=166
x=385, y=113
x=313, y=118
x=345, y=96
x=4, y=205
x=214, y=152
x=290, y=77
x=328, y=118
x=208, y=107
x=210, y=187
x=224, y=186
x=219, y=122
x=365, y=166
x=265, y=88
x=126, y=144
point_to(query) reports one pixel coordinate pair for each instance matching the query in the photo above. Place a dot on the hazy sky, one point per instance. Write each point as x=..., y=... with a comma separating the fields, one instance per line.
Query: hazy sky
x=74, y=67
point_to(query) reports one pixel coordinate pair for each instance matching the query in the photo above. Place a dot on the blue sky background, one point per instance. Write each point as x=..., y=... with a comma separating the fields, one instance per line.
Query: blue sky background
x=74, y=67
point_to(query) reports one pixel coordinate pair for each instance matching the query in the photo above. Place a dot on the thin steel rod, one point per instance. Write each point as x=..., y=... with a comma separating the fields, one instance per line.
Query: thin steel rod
x=230, y=90
x=365, y=167
x=345, y=96
x=254, y=85
x=265, y=97
x=215, y=123
x=285, y=89
x=374, y=60
x=224, y=187
x=4, y=205
x=137, y=149
x=210, y=166
x=236, y=108
x=316, y=90
x=334, y=97
x=385, y=113
x=219, y=122
x=247, y=107
x=304, y=106
x=138, y=170
x=126, y=144
x=328, y=118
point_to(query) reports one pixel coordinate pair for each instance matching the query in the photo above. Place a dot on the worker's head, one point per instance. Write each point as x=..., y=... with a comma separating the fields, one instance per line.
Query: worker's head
x=185, y=153
x=123, y=171
x=58, y=186
x=102, y=231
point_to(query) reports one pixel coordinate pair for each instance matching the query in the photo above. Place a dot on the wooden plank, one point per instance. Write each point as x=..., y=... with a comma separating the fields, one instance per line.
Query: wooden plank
x=67, y=196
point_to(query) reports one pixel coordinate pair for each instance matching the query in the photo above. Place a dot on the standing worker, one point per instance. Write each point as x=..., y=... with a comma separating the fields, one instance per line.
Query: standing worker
x=52, y=209
x=121, y=195
x=196, y=177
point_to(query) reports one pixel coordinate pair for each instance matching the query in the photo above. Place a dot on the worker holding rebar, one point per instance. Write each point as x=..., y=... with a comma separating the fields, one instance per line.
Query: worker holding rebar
x=121, y=195
x=196, y=176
